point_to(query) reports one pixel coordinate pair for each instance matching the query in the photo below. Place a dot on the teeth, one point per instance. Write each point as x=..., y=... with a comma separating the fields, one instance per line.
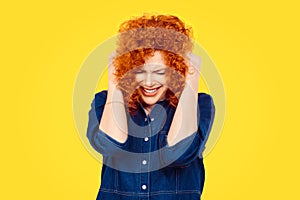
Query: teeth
x=150, y=91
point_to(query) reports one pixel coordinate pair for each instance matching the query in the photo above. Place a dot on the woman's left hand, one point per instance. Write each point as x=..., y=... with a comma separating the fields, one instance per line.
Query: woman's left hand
x=185, y=118
x=193, y=74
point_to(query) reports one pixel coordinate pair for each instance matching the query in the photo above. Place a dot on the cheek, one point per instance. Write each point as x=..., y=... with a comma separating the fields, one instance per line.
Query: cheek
x=139, y=77
x=165, y=88
x=160, y=79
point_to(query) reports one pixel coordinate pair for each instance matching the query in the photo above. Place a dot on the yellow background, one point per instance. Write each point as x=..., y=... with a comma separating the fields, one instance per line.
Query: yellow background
x=254, y=44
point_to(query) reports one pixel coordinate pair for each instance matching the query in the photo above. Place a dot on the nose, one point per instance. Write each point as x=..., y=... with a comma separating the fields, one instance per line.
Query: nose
x=148, y=79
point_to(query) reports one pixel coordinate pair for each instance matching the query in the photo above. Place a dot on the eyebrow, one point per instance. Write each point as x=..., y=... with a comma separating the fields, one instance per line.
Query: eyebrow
x=158, y=66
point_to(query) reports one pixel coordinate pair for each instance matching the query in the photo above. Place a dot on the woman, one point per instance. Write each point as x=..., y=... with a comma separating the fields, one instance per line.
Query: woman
x=151, y=124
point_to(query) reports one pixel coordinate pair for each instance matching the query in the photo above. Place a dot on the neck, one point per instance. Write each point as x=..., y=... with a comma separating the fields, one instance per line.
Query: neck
x=147, y=109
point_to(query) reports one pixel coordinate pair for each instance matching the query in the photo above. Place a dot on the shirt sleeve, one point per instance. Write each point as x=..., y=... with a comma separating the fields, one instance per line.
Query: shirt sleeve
x=187, y=150
x=100, y=141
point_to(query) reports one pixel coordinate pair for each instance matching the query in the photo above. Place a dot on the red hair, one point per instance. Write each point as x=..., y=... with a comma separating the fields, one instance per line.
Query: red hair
x=139, y=38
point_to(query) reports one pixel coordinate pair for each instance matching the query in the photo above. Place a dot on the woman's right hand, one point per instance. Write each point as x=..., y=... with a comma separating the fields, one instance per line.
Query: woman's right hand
x=114, y=121
x=112, y=82
x=113, y=91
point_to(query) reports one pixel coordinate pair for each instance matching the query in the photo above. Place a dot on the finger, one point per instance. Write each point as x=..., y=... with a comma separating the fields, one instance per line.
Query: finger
x=194, y=60
x=111, y=58
x=111, y=68
x=191, y=70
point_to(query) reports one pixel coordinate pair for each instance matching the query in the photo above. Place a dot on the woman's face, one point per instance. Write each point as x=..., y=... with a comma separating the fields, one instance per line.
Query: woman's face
x=151, y=80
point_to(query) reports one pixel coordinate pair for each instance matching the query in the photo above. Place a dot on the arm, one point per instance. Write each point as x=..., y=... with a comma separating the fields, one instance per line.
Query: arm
x=107, y=130
x=187, y=150
x=99, y=140
x=184, y=123
x=114, y=120
x=190, y=126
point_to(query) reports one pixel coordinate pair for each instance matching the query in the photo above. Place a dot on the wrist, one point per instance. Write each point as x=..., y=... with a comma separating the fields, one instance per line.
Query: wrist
x=114, y=94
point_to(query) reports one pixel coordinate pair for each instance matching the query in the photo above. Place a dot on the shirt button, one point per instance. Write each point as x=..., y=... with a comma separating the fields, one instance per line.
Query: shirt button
x=144, y=162
x=152, y=119
x=144, y=187
x=146, y=139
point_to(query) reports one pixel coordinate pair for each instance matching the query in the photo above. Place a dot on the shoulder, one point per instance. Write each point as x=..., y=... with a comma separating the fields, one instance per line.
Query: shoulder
x=206, y=106
x=100, y=98
x=99, y=102
x=205, y=100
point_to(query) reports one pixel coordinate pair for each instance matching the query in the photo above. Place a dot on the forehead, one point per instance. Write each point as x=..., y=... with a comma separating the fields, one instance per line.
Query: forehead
x=155, y=62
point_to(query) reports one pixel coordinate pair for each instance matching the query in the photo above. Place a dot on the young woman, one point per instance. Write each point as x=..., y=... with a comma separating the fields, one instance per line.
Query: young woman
x=151, y=124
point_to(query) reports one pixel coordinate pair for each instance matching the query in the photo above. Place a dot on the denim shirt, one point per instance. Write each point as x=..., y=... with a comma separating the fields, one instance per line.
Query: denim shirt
x=145, y=167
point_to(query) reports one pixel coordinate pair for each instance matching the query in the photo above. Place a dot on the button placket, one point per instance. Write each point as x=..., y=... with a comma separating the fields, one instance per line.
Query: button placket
x=144, y=177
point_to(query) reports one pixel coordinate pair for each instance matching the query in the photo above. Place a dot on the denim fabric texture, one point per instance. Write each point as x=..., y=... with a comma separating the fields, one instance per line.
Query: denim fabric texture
x=145, y=167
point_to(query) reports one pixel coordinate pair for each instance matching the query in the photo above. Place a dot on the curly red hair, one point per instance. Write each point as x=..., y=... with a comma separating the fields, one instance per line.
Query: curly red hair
x=139, y=38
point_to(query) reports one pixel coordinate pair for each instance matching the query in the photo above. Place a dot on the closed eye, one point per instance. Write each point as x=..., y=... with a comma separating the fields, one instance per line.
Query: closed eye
x=139, y=71
x=160, y=72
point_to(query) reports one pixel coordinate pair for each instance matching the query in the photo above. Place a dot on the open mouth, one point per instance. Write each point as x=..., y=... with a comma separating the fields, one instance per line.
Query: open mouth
x=150, y=91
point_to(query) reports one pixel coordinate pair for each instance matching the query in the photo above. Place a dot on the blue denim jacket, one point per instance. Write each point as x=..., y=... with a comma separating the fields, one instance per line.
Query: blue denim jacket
x=145, y=167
